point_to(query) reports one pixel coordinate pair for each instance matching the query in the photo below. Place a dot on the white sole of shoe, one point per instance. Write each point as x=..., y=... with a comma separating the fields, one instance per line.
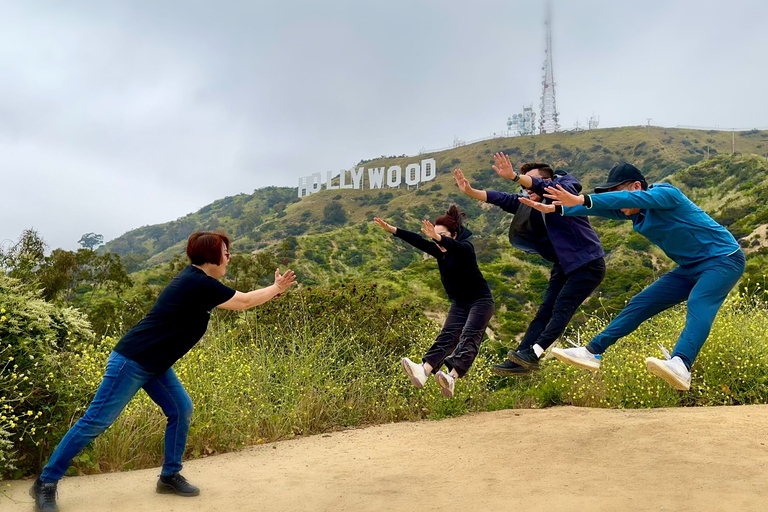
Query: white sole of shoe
x=659, y=369
x=409, y=373
x=443, y=383
x=563, y=356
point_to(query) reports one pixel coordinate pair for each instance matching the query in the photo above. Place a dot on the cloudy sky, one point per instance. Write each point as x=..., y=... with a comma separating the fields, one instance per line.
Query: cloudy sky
x=120, y=113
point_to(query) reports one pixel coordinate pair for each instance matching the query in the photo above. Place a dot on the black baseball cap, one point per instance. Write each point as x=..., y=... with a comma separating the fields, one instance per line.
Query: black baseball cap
x=621, y=173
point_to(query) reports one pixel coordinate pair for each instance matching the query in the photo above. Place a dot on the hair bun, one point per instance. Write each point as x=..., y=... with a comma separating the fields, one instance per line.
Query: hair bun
x=452, y=219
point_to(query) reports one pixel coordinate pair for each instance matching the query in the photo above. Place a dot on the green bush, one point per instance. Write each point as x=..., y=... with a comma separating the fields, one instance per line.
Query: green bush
x=34, y=396
x=312, y=361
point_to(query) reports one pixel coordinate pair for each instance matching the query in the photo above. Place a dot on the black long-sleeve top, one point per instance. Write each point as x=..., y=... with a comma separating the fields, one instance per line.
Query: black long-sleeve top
x=459, y=273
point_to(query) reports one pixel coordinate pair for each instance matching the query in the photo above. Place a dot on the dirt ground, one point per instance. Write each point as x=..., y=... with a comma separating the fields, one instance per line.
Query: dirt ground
x=549, y=460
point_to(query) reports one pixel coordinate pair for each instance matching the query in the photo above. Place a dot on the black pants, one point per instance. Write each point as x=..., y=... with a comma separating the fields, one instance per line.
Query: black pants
x=564, y=295
x=458, y=343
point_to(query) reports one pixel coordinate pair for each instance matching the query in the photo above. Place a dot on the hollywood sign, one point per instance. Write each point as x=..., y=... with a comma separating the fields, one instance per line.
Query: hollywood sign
x=393, y=177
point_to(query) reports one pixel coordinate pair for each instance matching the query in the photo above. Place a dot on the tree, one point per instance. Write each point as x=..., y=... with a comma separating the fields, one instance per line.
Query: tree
x=22, y=259
x=90, y=241
x=247, y=271
x=334, y=213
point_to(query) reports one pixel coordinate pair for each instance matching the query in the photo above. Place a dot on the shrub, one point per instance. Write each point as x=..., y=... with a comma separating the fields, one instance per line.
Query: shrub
x=334, y=213
x=34, y=396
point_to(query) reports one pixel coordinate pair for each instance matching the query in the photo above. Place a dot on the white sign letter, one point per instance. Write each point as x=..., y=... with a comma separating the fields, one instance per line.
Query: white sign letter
x=375, y=177
x=308, y=185
x=329, y=183
x=357, y=177
x=394, y=176
x=428, y=170
x=343, y=180
x=412, y=174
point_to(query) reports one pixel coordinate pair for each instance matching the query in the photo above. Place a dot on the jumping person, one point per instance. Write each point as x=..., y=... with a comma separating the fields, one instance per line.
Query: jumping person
x=143, y=359
x=472, y=304
x=569, y=243
x=709, y=264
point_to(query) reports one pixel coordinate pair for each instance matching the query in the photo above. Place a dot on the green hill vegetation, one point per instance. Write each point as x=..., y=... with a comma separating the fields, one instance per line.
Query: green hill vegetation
x=270, y=215
x=328, y=237
x=326, y=355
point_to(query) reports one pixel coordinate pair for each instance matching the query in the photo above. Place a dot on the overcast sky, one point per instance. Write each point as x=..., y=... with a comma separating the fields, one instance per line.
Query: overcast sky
x=118, y=114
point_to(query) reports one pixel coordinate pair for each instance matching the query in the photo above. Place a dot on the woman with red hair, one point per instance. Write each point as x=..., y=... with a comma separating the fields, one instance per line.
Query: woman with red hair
x=472, y=304
x=144, y=356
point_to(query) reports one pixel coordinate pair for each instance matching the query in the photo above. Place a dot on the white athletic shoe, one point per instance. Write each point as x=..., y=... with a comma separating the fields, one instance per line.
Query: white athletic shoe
x=578, y=356
x=415, y=372
x=447, y=382
x=672, y=370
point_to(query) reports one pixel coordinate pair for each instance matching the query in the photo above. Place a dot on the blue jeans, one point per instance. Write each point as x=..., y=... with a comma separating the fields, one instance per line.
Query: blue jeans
x=122, y=380
x=704, y=285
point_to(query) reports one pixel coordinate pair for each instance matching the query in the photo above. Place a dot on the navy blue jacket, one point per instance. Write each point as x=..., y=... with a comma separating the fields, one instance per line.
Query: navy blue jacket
x=575, y=243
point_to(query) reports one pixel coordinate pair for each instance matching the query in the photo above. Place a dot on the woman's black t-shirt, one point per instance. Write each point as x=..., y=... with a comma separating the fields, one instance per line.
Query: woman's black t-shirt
x=176, y=322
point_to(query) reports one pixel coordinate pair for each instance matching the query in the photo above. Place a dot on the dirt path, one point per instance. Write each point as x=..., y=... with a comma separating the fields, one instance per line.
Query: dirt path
x=548, y=460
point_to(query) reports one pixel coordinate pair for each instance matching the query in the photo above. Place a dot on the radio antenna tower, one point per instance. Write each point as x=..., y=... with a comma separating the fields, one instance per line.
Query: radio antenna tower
x=549, y=115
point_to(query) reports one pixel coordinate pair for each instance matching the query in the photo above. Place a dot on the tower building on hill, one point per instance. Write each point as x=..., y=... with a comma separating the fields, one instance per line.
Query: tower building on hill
x=548, y=122
x=523, y=123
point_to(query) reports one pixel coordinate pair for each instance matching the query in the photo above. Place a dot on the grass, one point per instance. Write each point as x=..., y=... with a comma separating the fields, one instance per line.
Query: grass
x=257, y=379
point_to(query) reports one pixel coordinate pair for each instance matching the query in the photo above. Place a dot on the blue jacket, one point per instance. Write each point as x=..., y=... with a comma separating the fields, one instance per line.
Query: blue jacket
x=668, y=219
x=574, y=240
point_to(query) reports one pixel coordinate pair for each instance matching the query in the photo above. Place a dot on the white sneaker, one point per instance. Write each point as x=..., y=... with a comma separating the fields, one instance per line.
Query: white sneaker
x=672, y=370
x=578, y=356
x=415, y=372
x=447, y=382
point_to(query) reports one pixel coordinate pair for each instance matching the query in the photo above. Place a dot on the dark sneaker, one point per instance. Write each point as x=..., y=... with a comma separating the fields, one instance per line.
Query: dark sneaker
x=45, y=496
x=508, y=368
x=176, y=484
x=525, y=358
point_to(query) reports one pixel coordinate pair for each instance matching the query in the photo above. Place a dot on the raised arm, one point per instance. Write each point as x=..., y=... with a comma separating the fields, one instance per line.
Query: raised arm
x=653, y=198
x=661, y=198
x=581, y=210
x=255, y=298
x=446, y=242
x=411, y=238
x=466, y=188
x=567, y=182
x=505, y=201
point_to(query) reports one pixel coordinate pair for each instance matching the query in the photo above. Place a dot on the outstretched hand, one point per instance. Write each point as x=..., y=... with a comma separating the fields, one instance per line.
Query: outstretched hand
x=429, y=230
x=543, y=208
x=284, y=281
x=461, y=181
x=563, y=197
x=384, y=225
x=503, y=166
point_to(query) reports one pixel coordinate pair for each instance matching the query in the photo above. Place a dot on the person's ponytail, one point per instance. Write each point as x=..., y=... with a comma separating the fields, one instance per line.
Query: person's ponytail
x=452, y=220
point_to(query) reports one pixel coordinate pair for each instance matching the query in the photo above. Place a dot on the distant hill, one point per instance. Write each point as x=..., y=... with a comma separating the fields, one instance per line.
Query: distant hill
x=328, y=250
x=270, y=214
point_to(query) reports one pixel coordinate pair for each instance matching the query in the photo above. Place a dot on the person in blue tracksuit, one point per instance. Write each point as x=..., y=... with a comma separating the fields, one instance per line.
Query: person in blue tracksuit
x=709, y=264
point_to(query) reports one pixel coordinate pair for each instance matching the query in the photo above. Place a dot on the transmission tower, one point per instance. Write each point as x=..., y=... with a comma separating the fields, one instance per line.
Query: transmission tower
x=549, y=116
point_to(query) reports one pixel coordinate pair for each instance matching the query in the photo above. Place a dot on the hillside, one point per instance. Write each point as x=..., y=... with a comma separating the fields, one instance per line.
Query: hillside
x=295, y=232
x=271, y=214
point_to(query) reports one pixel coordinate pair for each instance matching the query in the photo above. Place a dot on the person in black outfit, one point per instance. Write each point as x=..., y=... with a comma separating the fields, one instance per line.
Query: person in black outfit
x=472, y=304
x=573, y=248
x=143, y=359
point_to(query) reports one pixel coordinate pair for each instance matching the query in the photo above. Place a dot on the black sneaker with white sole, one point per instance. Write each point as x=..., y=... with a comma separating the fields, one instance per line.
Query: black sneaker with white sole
x=176, y=484
x=525, y=358
x=509, y=369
